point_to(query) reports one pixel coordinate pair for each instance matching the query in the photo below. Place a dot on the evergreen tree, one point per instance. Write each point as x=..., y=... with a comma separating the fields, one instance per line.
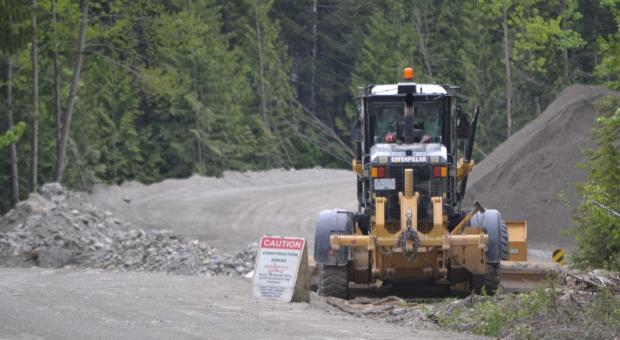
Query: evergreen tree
x=597, y=227
x=608, y=71
x=182, y=87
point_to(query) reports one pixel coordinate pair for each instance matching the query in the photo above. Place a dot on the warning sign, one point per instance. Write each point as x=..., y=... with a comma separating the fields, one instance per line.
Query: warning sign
x=558, y=256
x=277, y=275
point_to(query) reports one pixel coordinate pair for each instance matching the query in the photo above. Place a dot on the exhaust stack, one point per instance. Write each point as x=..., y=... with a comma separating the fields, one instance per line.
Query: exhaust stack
x=409, y=112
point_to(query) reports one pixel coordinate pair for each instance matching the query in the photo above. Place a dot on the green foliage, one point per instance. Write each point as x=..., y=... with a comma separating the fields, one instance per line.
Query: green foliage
x=386, y=48
x=531, y=304
x=465, y=47
x=15, y=29
x=491, y=319
x=495, y=315
x=175, y=88
x=608, y=71
x=597, y=231
x=13, y=135
x=604, y=311
x=542, y=37
x=450, y=319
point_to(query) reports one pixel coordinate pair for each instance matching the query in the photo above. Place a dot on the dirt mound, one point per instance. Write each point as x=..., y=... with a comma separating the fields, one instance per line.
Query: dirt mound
x=532, y=174
x=57, y=228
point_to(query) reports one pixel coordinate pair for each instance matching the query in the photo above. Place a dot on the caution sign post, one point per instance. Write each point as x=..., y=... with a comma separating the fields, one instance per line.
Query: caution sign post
x=280, y=272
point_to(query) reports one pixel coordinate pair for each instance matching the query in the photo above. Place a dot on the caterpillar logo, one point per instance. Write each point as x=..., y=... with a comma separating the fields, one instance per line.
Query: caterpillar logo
x=409, y=159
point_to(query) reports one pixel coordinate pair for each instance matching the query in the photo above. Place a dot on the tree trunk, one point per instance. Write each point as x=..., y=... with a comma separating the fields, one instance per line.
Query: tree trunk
x=199, y=142
x=56, y=92
x=417, y=22
x=13, y=147
x=263, y=99
x=263, y=106
x=66, y=121
x=314, y=55
x=34, y=152
x=508, y=73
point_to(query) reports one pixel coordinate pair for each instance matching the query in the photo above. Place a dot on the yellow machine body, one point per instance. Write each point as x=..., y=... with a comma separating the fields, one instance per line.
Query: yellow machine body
x=517, y=240
x=401, y=233
x=386, y=255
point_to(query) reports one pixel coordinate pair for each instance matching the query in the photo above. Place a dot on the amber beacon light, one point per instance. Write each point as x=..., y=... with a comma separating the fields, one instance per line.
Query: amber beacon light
x=408, y=73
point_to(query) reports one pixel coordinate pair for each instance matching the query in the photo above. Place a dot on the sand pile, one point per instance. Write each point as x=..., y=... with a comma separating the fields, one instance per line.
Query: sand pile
x=532, y=175
x=57, y=228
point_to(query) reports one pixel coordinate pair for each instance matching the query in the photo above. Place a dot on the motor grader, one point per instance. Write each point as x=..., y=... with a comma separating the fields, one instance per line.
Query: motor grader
x=409, y=228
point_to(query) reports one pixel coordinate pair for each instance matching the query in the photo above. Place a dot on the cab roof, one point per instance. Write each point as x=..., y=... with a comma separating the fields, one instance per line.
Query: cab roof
x=392, y=89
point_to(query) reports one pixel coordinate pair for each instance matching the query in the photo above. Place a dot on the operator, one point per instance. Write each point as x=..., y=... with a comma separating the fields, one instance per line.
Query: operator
x=390, y=138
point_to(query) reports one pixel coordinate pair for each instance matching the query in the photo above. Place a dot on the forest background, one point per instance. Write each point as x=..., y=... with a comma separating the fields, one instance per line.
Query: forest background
x=109, y=91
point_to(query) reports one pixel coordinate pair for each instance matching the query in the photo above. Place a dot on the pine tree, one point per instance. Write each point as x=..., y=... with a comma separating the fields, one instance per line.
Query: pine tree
x=597, y=228
x=608, y=71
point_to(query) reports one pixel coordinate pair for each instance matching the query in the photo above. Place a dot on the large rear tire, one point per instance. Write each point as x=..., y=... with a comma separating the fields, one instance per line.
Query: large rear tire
x=334, y=281
x=503, y=235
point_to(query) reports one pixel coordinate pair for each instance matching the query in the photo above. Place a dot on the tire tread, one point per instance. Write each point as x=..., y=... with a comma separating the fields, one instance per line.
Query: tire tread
x=334, y=281
x=503, y=235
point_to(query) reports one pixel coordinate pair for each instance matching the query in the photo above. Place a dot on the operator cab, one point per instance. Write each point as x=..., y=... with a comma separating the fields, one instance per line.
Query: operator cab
x=386, y=117
x=388, y=146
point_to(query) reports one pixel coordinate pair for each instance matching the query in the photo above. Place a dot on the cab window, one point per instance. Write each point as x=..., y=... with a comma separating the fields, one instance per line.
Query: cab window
x=389, y=118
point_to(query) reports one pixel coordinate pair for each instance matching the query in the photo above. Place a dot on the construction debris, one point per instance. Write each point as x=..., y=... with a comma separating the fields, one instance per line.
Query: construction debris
x=594, y=281
x=575, y=305
x=56, y=228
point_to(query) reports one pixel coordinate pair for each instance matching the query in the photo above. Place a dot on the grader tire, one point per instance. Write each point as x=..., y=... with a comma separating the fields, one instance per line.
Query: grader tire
x=334, y=281
x=488, y=282
x=503, y=235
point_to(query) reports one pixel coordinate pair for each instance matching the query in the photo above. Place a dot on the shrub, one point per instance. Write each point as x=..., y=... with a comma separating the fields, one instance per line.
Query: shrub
x=597, y=230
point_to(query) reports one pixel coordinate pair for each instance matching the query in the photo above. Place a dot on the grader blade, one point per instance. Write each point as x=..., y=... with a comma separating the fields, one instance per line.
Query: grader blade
x=520, y=276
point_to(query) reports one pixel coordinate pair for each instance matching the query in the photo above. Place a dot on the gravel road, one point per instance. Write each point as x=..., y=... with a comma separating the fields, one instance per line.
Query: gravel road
x=228, y=213
x=232, y=211
x=239, y=208
x=68, y=304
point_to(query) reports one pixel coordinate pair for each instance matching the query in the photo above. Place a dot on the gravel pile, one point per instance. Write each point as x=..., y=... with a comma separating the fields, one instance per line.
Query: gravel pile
x=56, y=228
x=532, y=175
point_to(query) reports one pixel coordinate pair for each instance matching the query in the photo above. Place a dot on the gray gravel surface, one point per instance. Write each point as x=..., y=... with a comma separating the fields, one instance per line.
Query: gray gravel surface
x=234, y=210
x=65, y=304
x=239, y=208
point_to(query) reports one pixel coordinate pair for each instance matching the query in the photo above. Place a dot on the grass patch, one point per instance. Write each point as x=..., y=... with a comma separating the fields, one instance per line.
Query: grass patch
x=544, y=313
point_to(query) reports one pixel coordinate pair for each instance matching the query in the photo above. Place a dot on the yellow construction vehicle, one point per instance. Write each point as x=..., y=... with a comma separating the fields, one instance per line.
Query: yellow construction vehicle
x=409, y=228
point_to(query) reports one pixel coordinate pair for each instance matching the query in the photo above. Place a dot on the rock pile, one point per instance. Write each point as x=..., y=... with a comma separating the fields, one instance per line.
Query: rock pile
x=56, y=228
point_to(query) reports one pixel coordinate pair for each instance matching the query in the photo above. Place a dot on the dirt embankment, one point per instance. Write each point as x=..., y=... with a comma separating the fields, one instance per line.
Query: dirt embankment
x=532, y=175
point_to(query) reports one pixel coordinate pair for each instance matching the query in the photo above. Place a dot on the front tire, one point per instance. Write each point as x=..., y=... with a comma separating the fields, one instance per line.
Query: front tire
x=334, y=281
x=489, y=282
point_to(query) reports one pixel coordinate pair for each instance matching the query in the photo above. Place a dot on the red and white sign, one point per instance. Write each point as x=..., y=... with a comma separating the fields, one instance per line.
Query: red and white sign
x=277, y=267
